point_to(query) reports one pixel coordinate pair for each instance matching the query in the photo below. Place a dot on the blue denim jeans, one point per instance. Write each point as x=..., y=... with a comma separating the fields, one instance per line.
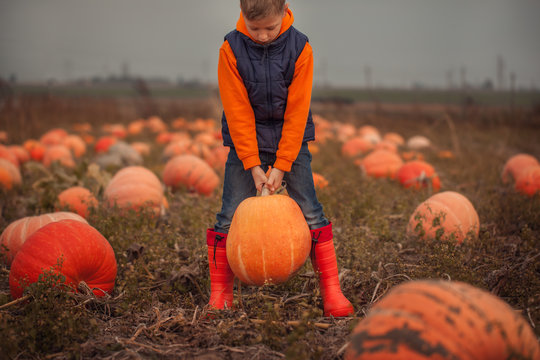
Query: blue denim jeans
x=238, y=185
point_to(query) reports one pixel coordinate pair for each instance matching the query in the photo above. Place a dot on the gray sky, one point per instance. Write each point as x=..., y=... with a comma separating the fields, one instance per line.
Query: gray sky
x=401, y=42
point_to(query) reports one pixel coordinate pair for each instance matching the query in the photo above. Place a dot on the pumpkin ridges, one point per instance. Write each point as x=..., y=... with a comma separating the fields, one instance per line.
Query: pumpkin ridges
x=257, y=247
x=473, y=321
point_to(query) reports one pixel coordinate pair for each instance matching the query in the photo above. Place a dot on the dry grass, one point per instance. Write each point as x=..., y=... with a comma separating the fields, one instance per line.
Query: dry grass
x=158, y=307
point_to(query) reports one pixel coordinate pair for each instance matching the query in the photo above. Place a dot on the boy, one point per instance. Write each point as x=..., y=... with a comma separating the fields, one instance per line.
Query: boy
x=265, y=75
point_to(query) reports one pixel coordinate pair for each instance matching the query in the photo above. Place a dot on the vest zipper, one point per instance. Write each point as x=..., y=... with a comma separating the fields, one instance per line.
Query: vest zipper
x=268, y=84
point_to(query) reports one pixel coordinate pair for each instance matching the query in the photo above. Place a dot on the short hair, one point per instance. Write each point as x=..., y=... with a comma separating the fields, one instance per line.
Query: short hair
x=258, y=9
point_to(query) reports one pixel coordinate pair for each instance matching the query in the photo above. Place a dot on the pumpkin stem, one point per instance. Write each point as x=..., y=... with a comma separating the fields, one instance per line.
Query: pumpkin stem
x=265, y=191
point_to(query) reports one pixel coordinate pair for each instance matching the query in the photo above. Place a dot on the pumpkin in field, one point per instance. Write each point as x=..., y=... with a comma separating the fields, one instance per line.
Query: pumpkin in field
x=356, y=146
x=10, y=175
x=319, y=181
x=7, y=154
x=418, y=174
x=77, y=199
x=58, y=153
x=435, y=319
x=76, y=144
x=16, y=233
x=136, y=188
x=53, y=137
x=528, y=180
x=370, y=133
x=191, y=172
x=381, y=163
x=20, y=153
x=447, y=215
x=103, y=144
x=395, y=138
x=515, y=164
x=269, y=240
x=73, y=249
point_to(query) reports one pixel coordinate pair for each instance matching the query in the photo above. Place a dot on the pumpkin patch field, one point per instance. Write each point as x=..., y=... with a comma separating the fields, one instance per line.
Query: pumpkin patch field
x=105, y=203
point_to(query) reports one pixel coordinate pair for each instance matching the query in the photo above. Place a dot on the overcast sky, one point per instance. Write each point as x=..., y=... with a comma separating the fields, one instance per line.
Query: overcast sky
x=390, y=42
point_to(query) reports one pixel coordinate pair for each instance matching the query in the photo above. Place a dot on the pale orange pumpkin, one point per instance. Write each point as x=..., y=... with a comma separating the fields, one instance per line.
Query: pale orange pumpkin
x=136, y=188
x=356, y=146
x=76, y=144
x=268, y=241
x=7, y=154
x=10, y=176
x=20, y=153
x=191, y=172
x=53, y=137
x=77, y=199
x=381, y=163
x=447, y=215
x=58, y=153
x=395, y=138
x=16, y=233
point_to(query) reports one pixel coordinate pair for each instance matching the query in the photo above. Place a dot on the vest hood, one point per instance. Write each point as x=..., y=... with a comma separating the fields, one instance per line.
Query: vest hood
x=285, y=24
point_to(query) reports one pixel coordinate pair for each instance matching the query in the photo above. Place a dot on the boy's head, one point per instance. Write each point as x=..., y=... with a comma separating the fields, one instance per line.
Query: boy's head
x=263, y=18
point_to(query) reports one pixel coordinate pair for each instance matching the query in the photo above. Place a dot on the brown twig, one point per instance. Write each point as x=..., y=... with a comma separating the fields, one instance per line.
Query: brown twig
x=293, y=323
x=15, y=302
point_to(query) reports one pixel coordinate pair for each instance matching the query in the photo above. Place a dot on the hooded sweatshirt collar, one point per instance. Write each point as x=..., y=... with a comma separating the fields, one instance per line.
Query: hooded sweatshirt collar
x=285, y=24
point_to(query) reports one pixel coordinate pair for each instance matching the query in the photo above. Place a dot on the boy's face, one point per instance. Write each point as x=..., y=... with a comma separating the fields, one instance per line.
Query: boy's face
x=265, y=30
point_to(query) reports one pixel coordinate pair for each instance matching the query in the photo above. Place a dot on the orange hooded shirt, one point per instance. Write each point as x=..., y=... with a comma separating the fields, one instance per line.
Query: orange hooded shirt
x=240, y=115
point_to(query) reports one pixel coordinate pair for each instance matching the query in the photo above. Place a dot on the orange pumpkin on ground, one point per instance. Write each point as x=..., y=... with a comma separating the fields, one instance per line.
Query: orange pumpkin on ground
x=59, y=153
x=7, y=154
x=103, y=144
x=370, y=132
x=53, y=137
x=77, y=199
x=435, y=319
x=20, y=153
x=395, y=138
x=191, y=172
x=76, y=144
x=10, y=175
x=448, y=215
x=268, y=241
x=71, y=248
x=515, y=164
x=528, y=180
x=16, y=233
x=319, y=181
x=381, y=163
x=136, y=188
x=356, y=146
x=418, y=174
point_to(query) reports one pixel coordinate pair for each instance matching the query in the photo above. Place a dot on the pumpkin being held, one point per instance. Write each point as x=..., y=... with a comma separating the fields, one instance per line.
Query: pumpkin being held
x=268, y=241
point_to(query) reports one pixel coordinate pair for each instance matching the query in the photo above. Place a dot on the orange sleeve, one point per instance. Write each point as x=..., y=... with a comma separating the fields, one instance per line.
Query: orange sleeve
x=237, y=108
x=296, y=113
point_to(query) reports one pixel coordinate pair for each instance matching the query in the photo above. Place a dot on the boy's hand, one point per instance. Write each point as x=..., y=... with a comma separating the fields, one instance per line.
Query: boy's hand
x=259, y=177
x=274, y=179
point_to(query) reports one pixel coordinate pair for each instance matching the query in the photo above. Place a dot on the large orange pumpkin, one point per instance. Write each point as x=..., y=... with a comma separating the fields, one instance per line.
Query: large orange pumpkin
x=77, y=199
x=269, y=240
x=71, y=248
x=435, y=319
x=448, y=215
x=16, y=233
x=515, y=164
x=381, y=163
x=191, y=172
x=135, y=187
x=418, y=174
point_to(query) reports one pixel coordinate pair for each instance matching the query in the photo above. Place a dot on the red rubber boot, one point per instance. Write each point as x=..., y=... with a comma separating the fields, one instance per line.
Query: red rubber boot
x=221, y=275
x=323, y=258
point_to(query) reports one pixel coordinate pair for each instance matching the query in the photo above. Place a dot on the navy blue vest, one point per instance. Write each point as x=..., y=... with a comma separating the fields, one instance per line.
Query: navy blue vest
x=267, y=72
